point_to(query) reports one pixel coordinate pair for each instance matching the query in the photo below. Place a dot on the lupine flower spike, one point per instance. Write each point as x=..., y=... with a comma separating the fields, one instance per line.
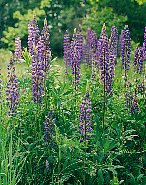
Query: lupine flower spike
x=12, y=94
x=85, y=117
x=79, y=40
x=106, y=64
x=49, y=128
x=75, y=60
x=114, y=42
x=112, y=54
x=18, y=50
x=90, y=47
x=33, y=35
x=134, y=107
x=40, y=52
x=138, y=61
x=126, y=50
x=141, y=87
x=47, y=53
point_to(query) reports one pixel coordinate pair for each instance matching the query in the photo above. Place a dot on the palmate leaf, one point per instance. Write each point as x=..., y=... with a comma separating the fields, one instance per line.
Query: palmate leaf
x=110, y=144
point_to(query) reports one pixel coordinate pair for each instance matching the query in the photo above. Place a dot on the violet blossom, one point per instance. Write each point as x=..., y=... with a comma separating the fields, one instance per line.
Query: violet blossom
x=18, y=49
x=85, y=118
x=138, y=61
x=125, y=49
x=12, y=93
x=49, y=128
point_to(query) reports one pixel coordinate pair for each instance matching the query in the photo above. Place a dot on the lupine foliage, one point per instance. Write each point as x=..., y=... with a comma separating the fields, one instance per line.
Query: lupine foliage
x=88, y=129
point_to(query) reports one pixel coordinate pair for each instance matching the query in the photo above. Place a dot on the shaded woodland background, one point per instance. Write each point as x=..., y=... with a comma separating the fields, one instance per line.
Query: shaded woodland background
x=68, y=14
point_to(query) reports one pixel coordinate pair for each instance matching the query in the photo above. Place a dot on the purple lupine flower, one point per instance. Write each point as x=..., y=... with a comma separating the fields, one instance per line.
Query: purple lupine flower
x=79, y=43
x=91, y=51
x=75, y=61
x=38, y=71
x=91, y=39
x=91, y=46
x=12, y=94
x=112, y=53
x=138, y=61
x=66, y=50
x=85, y=118
x=114, y=41
x=39, y=48
x=88, y=55
x=18, y=49
x=47, y=51
x=125, y=49
x=31, y=38
x=128, y=99
x=144, y=44
x=33, y=35
x=134, y=107
x=105, y=62
x=141, y=87
x=49, y=128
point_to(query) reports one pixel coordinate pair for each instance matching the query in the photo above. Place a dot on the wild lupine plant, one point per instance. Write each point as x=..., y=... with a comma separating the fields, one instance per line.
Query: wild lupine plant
x=46, y=56
x=18, y=49
x=79, y=43
x=91, y=47
x=138, y=68
x=75, y=57
x=134, y=107
x=112, y=53
x=39, y=48
x=114, y=42
x=106, y=62
x=85, y=118
x=33, y=35
x=139, y=60
x=125, y=50
x=12, y=93
x=49, y=128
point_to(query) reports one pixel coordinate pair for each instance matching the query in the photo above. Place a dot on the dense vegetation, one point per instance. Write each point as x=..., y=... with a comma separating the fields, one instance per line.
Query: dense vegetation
x=81, y=118
x=81, y=121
